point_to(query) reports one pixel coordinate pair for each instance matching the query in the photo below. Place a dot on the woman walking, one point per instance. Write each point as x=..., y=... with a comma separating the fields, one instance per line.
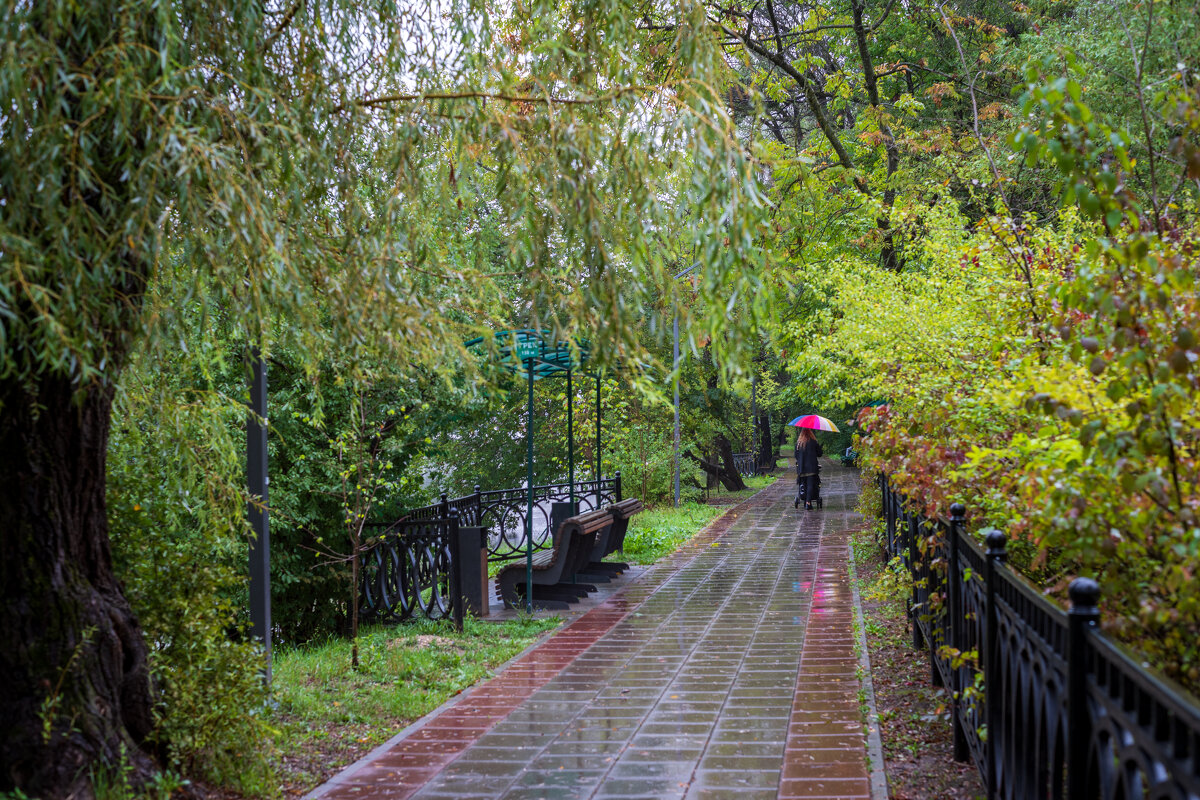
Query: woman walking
x=808, y=450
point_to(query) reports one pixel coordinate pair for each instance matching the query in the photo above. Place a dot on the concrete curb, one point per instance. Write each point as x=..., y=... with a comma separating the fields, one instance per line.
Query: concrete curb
x=878, y=772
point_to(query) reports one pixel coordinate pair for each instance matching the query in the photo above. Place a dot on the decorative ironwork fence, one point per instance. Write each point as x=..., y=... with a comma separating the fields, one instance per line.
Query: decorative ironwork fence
x=745, y=464
x=503, y=511
x=409, y=571
x=1043, y=702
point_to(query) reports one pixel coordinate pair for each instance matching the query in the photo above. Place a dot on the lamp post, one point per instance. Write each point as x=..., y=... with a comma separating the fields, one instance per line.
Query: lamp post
x=675, y=372
x=526, y=351
x=256, y=507
x=754, y=415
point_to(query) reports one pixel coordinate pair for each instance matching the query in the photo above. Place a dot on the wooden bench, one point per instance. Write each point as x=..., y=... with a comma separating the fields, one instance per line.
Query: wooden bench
x=612, y=541
x=573, y=542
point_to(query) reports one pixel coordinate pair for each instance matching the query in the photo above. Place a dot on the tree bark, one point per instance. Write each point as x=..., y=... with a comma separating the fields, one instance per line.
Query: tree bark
x=766, y=446
x=889, y=254
x=722, y=469
x=75, y=687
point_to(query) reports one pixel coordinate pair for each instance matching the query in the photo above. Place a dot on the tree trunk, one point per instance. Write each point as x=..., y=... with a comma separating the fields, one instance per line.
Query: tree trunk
x=75, y=687
x=766, y=447
x=731, y=479
x=723, y=469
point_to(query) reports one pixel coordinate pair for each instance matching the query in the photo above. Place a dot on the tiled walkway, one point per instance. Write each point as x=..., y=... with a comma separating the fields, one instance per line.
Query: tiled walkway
x=727, y=671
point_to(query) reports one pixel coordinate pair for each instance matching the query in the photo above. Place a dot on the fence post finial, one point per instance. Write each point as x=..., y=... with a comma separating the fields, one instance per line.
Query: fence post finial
x=1082, y=617
x=997, y=544
x=1085, y=596
x=996, y=553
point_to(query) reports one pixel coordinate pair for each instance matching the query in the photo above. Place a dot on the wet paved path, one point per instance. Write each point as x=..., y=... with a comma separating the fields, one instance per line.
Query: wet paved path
x=727, y=671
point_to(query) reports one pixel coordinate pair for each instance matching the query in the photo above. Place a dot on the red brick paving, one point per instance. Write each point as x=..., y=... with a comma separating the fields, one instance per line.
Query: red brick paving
x=825, y=756
x=815, y=750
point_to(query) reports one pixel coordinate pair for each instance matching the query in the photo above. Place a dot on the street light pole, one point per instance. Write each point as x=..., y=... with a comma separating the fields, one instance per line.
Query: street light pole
x=675, y=372
x=754, y=416
x=675, y=365
x=256, y=507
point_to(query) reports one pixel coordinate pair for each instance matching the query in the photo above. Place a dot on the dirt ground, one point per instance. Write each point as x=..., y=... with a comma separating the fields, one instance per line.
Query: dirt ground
x=914, y=715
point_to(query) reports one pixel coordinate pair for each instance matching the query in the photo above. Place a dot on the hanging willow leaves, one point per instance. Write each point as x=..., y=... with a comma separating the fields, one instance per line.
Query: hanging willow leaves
x=319, y=175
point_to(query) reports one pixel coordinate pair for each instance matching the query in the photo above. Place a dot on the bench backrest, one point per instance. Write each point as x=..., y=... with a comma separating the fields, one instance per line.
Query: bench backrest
x=626, y=508
x=588, y=522
x=583, y=530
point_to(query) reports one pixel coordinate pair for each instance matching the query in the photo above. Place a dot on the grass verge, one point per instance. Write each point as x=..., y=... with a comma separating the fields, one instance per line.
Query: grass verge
x=657, y=532
x=330, y=715
x=753, y=484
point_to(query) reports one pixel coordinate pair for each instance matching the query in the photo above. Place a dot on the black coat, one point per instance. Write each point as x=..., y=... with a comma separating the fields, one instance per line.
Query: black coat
x=806, y=457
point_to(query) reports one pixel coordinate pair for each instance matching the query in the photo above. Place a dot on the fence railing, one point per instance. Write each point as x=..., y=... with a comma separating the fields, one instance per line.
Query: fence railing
x=745, y=464
x=1043, y=702
x=503, y=511
x=412, y=569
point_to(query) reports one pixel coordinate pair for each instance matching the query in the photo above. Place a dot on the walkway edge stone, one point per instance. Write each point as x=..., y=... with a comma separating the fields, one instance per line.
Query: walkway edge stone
x=878, y=771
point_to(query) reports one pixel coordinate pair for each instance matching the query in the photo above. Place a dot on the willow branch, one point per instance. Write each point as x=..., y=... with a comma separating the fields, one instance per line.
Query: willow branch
x=548, y=99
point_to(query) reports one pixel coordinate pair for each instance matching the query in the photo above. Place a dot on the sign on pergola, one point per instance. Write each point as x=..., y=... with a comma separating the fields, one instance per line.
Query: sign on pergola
x=537, y=354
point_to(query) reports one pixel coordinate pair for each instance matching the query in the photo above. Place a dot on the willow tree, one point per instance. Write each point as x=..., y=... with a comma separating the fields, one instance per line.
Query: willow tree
x=280, y=161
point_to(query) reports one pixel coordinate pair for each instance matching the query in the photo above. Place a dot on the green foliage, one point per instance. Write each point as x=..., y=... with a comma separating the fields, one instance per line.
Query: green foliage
x=1056, y=394
x=357, y=189
x=179, y=542
x=1039, y=366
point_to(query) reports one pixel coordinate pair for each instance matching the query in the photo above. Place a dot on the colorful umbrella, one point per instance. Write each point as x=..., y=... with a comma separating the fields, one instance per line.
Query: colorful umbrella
x=814, y=421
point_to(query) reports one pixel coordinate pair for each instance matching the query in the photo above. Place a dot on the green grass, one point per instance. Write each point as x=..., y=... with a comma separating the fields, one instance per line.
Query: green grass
x=656, y=532
x=329, y=714
x=753, y=484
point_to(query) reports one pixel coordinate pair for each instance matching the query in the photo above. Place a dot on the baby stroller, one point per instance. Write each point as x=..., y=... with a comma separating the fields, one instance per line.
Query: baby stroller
x=802, y=488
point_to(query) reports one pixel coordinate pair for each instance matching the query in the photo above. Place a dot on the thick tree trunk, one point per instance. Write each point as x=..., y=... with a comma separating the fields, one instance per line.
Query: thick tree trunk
x=75, y=687
x=723, y=470
x=766, y=447
x=731, y=479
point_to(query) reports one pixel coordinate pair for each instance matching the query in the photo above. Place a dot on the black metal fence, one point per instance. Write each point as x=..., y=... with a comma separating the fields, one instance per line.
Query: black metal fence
x=503, y=511
x=417, y=566
x=1043, y=702
x=409, y=571
x=745, y=464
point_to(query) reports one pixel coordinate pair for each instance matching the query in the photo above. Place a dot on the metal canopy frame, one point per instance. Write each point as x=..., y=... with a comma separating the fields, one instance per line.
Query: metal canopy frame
x=537, y=354
x=537, y=351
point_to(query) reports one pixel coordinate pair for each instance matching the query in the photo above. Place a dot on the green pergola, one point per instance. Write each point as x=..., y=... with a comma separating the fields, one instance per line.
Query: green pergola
x=537, y=354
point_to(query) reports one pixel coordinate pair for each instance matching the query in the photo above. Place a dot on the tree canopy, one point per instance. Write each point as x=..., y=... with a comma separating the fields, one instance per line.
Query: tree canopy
x=983, y=213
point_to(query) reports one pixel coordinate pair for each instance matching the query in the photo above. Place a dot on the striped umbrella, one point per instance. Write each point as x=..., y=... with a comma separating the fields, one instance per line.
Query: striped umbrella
x=814, y=421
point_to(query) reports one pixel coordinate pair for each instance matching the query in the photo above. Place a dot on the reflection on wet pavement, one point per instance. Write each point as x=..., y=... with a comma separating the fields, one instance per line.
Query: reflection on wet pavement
x=726, y=671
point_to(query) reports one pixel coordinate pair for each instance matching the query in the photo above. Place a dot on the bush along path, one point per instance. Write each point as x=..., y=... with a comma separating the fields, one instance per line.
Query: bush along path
x=728, y=669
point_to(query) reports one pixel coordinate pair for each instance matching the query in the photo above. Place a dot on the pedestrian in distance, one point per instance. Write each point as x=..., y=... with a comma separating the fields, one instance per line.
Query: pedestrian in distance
x=808, y=481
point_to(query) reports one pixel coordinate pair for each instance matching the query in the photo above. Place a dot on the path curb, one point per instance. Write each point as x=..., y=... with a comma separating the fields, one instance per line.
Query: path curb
x=878, y=771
